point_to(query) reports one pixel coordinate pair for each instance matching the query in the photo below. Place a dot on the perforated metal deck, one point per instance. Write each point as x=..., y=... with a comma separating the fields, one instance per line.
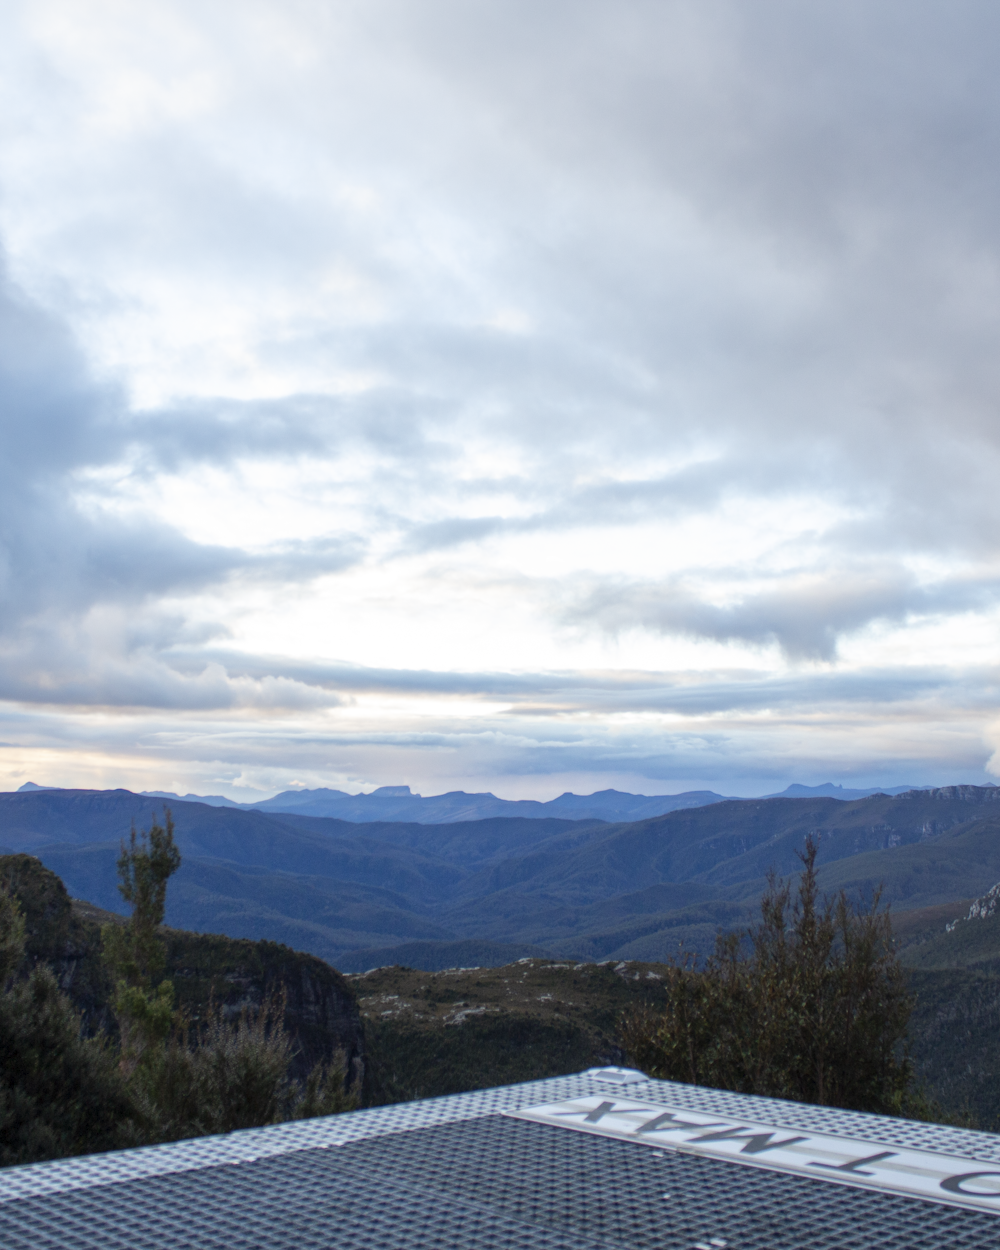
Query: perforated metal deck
x=460, y=1172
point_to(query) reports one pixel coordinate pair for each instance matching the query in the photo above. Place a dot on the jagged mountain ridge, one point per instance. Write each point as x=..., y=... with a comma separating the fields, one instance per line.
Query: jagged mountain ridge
x=398, y=803
x=392, y=803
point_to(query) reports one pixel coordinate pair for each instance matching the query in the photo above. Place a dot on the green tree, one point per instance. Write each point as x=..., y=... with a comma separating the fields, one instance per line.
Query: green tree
x=232, y=1074
x=11, y=936
x=60, y=1094
x=810, y=1004
x=212, y=1077
x=134, y=950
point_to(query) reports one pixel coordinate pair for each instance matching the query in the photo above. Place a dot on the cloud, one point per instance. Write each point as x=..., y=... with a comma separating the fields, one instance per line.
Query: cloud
x=572, y=692
x=80, y=589
x=805, y=616
x=54, y=421
x=577, y=362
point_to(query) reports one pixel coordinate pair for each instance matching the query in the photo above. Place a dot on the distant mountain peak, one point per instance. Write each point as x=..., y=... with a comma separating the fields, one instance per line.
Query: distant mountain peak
x=212, y=800
x=30, y=785
x=834, y=790
x=399, y=803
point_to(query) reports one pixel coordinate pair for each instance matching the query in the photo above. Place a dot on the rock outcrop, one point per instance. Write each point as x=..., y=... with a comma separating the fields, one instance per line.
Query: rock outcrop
x=321, y=1011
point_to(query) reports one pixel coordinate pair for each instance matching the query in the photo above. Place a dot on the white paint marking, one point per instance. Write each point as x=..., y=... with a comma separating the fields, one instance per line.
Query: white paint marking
x=953, y=1179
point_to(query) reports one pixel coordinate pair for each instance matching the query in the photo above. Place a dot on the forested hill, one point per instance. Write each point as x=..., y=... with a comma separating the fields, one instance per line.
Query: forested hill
x=420, y=1035
x=487, y=891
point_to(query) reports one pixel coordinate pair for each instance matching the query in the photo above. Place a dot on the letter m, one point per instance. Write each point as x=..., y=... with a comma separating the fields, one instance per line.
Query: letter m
x=756, y=1143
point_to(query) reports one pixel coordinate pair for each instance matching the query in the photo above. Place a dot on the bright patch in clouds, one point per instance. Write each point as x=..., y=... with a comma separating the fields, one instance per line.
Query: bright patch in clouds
x=498, y=397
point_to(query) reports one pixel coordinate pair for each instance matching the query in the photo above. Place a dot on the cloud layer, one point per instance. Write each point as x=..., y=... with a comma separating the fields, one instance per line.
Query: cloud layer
x=499, y=396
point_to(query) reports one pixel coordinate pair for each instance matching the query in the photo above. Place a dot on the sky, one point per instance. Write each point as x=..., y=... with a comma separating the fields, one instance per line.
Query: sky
x=508, y=396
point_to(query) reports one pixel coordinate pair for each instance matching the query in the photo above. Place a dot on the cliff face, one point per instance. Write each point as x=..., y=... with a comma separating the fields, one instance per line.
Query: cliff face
x=56, y=935
x=954, y=1030
x=321, y=1009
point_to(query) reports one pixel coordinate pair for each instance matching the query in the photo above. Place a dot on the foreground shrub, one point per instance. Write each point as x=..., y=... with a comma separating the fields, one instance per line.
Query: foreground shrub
x=232, y=1074
x=214, y=1077
x=809, y=1005
x=163, y=1078
x=59, y=1093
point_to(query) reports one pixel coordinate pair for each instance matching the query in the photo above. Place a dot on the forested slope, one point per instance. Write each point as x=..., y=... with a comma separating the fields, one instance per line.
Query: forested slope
x=424, y=1033
x=492, y=890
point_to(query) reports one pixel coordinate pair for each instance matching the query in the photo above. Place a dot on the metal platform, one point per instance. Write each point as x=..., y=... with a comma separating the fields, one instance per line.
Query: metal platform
x=603, y=1159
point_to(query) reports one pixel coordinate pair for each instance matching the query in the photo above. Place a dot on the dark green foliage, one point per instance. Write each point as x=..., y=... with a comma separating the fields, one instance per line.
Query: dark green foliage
x=225, y=1075
x=321, y=1015
x=968, y=944
x=11, y=937
x=231, y=1074
x=59, y=1093
x=443, y=1032
x=955, y=1030
x=174, y=1077
x=810, y=1005
x=143, y=871
x=325, y=1092
x=414, y=1063
x=188, y=1079
x=221, y=1065
x=56, y=937
x=952, y=957
x=134, y=950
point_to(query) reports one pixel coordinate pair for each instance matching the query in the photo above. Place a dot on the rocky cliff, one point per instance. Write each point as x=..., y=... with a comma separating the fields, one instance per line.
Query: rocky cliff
x=321, y=1009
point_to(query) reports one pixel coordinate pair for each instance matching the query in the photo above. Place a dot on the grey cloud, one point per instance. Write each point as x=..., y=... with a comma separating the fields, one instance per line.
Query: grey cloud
x=719, y=754
x=109, y=663
x=851, y=149
x=767, y=228
x=55, y=420
x=296, y=560
x=554, y=693
x=222, y=431
x=696, y=489
x=440, y=535
x=848, y=382
x=58, y=562
x=805, y=618
x=843, y=153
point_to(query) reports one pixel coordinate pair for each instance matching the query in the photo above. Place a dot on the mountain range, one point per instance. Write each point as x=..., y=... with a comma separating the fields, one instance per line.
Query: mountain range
x=489, y=890
x=400, y=803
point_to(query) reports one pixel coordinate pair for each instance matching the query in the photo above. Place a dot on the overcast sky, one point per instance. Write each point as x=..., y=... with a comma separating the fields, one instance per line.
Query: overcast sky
x=506, y=396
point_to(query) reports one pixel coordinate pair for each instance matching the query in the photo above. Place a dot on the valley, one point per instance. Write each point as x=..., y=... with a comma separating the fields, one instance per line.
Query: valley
x=481, y=1013
x=492, y=891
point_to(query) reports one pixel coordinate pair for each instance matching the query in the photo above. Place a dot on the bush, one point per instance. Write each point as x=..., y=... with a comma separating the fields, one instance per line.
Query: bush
x=59, y=1094
x=809, y=1005
x=134, y=951
x=232, y=1074
x=217, y=1077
